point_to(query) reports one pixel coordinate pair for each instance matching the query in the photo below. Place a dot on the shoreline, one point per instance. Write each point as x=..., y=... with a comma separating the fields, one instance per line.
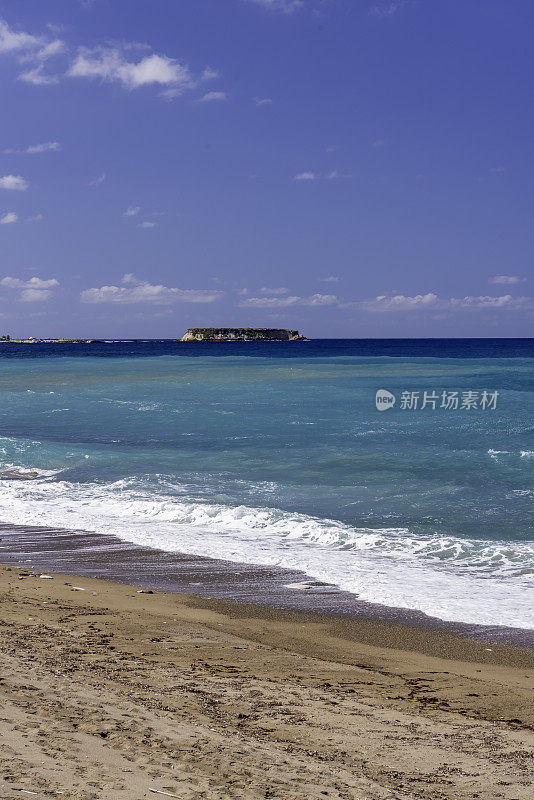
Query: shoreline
x=111, y=690
x=268, y=588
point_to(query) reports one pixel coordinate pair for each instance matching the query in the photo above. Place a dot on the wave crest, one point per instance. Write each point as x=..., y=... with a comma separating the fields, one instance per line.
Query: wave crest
x=451, y=578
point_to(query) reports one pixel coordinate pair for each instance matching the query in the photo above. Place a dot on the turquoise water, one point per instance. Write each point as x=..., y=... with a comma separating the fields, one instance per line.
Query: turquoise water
x=281, y=457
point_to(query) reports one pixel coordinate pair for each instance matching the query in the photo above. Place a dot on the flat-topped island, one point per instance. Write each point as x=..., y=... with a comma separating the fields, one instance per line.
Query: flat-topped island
x=242, y=335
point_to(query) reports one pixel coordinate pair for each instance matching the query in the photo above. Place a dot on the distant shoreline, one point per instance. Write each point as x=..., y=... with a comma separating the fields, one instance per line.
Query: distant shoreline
x=109, y=340
x=133, y=341
x=32, y=340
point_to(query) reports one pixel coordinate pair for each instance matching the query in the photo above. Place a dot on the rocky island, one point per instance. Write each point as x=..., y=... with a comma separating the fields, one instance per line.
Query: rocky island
x=242, y=335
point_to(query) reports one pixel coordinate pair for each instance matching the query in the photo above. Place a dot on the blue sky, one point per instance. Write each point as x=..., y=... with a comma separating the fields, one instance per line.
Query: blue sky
x=345, y=167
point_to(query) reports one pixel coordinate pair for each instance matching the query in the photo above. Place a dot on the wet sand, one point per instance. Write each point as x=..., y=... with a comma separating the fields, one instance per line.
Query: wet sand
x=110, y=692
x=105, y=556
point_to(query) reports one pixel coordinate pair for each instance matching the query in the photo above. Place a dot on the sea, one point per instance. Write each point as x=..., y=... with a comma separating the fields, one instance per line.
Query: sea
x=279, y=454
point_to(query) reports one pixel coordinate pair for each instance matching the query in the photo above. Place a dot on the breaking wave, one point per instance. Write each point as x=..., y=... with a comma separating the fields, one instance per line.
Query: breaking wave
x=465, y=580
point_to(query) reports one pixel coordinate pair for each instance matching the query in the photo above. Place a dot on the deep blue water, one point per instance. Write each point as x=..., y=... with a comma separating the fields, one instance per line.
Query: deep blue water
x=314, y=348
x=275, y=453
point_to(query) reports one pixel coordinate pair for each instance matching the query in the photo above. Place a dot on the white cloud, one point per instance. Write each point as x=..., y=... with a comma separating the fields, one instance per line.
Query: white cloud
x=431, y=302
x=132, y=211
x=32, y=283
x=146, y=224
x=336, y=175
x=50, y=49
x=35, y=295
x=497, y=170
x=506, y=302
x=331, y=279
x=137, y=291
x=14, y=183
x=505, y=279
x=211, y=96
x=32, y=50
x=36, y=218
x=265, y=101
x=9, y=218
x=286, y=6
x=130, y=65
x=333, y=175
x=36, y=74
x=400, y=302
x=305, y=176
x=111, y=64
x=38, y=77
x=45, y=147
x=292, y=300
x=269, y=302
x=33, y=290
x=320, y=300
x=17, y=41
x=209, y=74
x=97, y=181
x=386, y=10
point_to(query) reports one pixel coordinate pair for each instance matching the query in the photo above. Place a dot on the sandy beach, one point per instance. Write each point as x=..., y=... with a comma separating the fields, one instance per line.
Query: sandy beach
x=267, y=400
x=112, y=692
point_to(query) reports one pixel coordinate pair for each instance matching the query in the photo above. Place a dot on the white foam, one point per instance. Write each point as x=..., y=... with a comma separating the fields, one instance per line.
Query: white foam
x=8, y=467
x=451, y=578
x=298, y=586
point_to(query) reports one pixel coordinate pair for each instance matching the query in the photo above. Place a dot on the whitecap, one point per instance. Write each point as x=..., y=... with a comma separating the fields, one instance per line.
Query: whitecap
x=483, y=582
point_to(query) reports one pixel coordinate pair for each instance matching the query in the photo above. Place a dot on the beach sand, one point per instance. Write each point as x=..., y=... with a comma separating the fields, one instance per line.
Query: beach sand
x=112, y=693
